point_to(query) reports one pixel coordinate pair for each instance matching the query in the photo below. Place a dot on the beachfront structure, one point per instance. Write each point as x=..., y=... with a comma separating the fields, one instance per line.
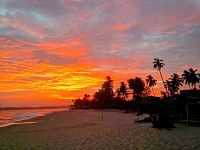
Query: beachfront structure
x=192, y=102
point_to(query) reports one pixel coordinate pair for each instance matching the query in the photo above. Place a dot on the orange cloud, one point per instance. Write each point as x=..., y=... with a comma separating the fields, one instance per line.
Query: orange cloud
x=52, y=54
x=74, y=47
x=120, y=27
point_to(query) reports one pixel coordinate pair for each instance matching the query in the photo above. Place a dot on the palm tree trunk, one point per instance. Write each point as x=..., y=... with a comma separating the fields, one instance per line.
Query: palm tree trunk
x=163, y=83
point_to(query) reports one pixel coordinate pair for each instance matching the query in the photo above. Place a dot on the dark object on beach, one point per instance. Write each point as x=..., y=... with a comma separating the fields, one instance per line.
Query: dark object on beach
x=162, y=114
x=188, y=105
x=162, y=120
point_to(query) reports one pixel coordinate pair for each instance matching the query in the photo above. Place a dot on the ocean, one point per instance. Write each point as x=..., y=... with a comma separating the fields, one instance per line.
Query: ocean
x=10, y=117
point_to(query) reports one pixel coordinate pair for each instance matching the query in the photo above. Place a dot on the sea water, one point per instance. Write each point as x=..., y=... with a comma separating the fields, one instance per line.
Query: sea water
x=10, y=117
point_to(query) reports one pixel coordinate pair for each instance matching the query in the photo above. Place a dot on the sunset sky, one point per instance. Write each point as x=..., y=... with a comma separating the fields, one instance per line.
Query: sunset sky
x=52, y=51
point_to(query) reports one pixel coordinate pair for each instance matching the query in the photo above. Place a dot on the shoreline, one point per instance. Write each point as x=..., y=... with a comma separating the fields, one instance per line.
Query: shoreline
x=49, y=114
x=30, y=120
x=85, y=129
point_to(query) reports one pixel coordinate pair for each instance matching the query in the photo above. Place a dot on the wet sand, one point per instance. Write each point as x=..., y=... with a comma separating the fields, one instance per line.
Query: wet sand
x=85, y=129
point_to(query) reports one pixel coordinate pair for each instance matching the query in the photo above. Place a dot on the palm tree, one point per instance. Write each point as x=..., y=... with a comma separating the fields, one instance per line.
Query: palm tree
x=123, y=90
x=177, y=81
x=107, y=88
x=158, y=64
x=186, y=77
x=174, y=83
x=194, y=77
x=151, y=82
x=138, y=87
x=190, y=77
x=105, y=94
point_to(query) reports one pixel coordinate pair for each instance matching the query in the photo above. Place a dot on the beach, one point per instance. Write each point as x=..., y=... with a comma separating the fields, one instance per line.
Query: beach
x=87, y=129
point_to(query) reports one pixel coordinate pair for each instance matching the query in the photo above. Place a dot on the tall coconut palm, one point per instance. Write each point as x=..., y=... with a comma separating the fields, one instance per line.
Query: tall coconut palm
x=174, y=83
x=158, y=64
x=190, y=77
x=151, y=82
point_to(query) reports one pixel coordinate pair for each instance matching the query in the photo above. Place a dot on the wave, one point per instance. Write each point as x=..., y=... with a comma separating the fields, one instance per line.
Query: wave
x=10, y=117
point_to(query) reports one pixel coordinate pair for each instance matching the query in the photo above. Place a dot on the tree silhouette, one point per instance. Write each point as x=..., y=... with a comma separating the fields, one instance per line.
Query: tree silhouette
x=147, y=91
x=98, y=95
x=107, y=87
x=151, y=82
x=174, y=83
x=131, y=85
x=158, y=64
x=123, y=90
x=105, y=94
x=118, y=92
x=186, y=77
x=86, y=96
x=190, y=77
x=138, y=87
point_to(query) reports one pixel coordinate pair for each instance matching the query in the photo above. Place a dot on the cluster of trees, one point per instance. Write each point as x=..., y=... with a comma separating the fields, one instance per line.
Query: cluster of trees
x=106, y=97
x=173, y=84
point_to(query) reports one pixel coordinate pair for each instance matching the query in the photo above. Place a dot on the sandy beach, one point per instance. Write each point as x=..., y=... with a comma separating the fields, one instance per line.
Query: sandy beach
x=85, y=129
